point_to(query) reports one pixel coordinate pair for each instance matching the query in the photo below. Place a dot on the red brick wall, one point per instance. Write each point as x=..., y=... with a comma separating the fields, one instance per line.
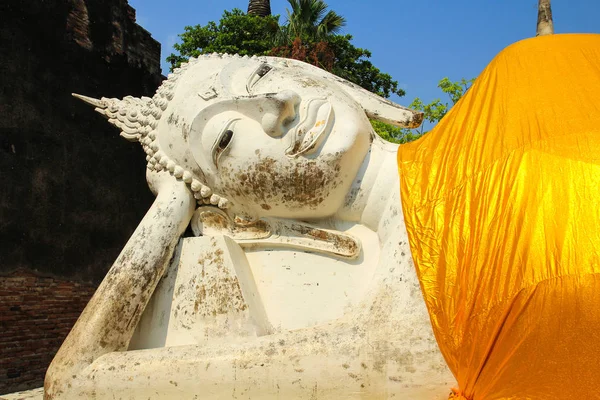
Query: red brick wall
x=36, y=314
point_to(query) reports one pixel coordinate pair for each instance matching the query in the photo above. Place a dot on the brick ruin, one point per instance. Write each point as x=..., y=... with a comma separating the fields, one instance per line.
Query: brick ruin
x=72, y=190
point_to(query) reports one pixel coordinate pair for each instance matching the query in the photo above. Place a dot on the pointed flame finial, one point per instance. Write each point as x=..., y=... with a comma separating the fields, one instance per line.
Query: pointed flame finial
x=90, y=100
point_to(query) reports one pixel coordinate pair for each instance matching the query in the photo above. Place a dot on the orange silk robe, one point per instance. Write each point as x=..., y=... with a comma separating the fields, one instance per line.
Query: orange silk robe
x=502, y=207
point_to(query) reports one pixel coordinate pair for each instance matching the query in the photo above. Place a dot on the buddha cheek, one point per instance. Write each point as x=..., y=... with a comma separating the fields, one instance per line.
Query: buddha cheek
x=286, y=187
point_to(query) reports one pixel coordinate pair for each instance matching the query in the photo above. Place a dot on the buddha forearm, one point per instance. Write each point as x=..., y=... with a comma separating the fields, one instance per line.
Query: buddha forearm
x=109, y=319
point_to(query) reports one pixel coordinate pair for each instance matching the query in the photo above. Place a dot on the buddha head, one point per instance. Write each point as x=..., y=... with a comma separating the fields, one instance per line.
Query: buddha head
x=260, y=136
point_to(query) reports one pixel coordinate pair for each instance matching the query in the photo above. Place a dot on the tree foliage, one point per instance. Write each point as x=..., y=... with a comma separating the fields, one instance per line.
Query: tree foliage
x=433, y=112
x=310, y=21
x=394, y=134
x=236, y=33
x=239, y=33
x=437, y=109
x=340, y=57
x=352, y=63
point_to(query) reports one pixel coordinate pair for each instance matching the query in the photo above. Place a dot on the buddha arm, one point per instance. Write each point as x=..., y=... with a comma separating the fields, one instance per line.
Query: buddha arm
x=109, y=319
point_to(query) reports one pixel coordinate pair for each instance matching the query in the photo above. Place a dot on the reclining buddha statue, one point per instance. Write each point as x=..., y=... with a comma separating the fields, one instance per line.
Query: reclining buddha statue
x=292, y=253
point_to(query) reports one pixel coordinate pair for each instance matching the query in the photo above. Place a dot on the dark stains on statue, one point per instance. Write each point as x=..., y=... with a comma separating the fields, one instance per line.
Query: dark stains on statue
x=214, y=220
x=344, y=244
x=297, y=183
x=219, y=291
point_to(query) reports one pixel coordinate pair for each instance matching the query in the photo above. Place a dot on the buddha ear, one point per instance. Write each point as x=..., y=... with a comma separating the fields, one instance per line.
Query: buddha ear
x=381, y=109
x=376, y=107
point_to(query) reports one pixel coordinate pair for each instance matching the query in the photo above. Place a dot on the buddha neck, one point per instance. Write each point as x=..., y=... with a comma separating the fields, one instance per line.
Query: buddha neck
x=376, y=181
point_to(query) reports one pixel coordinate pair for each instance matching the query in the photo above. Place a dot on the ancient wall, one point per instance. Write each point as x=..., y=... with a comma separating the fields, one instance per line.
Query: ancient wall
x=36, y=314
x=71, y=190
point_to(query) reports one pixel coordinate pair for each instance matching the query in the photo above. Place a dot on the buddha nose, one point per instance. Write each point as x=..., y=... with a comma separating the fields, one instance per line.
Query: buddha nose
x=279, y=111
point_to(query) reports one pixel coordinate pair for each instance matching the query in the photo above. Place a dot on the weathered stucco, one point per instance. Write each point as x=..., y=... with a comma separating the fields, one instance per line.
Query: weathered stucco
x=299, y=282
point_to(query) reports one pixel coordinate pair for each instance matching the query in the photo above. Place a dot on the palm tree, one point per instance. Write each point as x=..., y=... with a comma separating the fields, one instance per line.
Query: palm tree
x=545, y=25
x=310, y=20
x=307, y=32
x=262, y=8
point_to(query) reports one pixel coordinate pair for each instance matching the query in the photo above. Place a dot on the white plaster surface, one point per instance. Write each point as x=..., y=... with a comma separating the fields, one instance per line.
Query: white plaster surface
x=299, y=282
x=34, y=394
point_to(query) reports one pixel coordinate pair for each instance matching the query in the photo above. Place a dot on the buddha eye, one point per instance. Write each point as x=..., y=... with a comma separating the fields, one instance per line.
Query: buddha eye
x=262, y=70
x=257, y=75
x=222, y=143
x=225, y=139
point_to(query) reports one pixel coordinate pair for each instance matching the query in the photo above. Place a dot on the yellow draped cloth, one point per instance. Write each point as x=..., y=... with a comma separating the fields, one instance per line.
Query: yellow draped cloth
x=502, y=207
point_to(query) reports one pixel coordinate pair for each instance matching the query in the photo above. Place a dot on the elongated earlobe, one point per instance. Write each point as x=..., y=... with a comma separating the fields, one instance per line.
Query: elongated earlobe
x=381, y=109
x=376, y=107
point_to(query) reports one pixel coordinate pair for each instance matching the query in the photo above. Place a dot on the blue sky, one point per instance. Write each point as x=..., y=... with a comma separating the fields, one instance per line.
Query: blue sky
x=417, y=42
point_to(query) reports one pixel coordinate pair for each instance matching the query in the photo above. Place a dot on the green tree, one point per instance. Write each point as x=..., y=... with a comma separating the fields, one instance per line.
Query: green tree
x=433, y=112
x=311, y=34
x=437, y=109
x=236, y=33
x=340, y=57
x=310, y=21
x=352, y=63
x=394, y=134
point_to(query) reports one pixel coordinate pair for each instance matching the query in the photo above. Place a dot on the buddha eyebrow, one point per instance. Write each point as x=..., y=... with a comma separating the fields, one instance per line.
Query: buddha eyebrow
x=255, y=76
x=263, y=69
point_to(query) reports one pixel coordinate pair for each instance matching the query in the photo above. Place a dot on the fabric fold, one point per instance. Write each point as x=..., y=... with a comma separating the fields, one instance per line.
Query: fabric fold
x=502, y=206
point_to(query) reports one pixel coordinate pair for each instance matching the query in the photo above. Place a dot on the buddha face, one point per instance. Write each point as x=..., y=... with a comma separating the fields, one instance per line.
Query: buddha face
x=277, y=140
